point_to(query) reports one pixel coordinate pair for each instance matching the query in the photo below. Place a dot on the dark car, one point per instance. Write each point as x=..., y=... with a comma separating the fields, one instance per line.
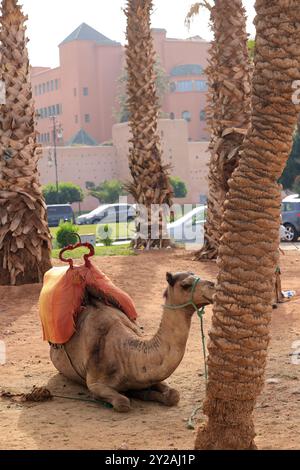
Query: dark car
x=291, y=217
x=59, y=212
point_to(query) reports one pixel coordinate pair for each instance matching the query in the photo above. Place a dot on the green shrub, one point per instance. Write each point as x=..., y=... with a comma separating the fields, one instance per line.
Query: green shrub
x=67, y=193
x=179, y=187
x=66, y=234
x=104, y=233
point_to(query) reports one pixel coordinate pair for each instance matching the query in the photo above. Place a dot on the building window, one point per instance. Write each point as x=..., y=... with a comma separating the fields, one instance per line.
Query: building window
x=49, y=111
x=75, y=91
x=35, y=90
x=85, y=91
x=40, y=89
x=53, y=110
x=87, y=118
x=45, y=112
x=57, y=109
x=44, y=88
x=76, y=118
x=201, y=85
x=172, y=115
x=186, y=115
x=48, y=137
x=202, y=115
x=56, y=84
x=187, y=69
x=184, y=85
x=52, y=85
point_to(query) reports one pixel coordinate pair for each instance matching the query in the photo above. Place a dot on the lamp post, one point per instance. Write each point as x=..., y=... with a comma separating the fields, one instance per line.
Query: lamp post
x=56, y=133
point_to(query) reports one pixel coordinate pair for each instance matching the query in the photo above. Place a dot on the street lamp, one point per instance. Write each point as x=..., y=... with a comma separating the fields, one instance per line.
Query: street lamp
x=56, y=133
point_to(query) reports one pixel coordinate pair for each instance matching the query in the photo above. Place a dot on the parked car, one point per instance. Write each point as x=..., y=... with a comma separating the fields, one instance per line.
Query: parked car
x=190, y=227
x=108, y=213
x=291, y=217
x=59, y=212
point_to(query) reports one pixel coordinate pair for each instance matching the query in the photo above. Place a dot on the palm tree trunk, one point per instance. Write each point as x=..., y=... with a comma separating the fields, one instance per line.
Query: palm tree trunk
x=248, y=254
x=228, y=110
x=25, y=241
x=150, y=184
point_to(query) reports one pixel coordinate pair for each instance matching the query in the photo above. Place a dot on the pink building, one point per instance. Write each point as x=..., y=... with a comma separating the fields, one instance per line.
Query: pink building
x=82, y=91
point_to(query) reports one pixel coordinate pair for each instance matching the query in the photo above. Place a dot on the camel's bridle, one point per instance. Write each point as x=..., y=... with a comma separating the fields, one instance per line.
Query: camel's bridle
x=200, y=313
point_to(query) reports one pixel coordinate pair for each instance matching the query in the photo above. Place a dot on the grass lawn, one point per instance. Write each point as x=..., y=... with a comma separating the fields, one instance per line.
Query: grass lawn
x=116, y=250
x=119, y=231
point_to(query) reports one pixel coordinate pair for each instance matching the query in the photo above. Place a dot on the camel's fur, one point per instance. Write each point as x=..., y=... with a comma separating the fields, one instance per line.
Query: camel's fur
x=108, y=355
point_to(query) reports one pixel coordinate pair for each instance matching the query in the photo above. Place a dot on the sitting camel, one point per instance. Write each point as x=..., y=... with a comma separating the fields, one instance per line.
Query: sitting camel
x=108, y=355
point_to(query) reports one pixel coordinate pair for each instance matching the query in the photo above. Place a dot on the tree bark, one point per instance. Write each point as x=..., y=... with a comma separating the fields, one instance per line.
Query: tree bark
x=25, y=240
x=150, y=184
x=228, y=109
x=248, y=254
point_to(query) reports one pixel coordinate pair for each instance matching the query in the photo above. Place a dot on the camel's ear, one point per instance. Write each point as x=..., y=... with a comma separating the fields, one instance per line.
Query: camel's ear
x=170, y=279
x=188, y=282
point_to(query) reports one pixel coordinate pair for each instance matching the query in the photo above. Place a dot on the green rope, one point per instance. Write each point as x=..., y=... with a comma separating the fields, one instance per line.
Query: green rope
x=200, y=313
x=89, y=400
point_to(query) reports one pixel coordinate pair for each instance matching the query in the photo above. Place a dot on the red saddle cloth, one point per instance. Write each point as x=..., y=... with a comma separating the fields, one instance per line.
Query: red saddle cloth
x=62, y=296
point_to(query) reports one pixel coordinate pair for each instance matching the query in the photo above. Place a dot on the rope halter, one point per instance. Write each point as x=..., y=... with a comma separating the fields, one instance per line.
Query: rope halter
x=200, y=313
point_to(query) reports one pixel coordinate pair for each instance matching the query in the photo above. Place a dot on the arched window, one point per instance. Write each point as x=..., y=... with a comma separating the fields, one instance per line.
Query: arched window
x=202, y=115
x=186, y=115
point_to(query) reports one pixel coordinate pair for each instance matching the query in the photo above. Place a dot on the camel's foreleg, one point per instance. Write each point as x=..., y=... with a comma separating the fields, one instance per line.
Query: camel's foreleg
x=108, y=394
x=159, y=392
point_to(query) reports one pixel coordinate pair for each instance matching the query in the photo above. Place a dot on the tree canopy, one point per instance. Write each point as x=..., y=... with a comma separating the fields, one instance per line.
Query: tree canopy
x=67, y=193
x=179, y=187
x=292, y=169
x=107, y=192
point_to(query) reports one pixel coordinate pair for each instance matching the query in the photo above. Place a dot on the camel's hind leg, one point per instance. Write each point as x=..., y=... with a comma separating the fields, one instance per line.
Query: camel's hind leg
x=160, y=392
x=108, y=394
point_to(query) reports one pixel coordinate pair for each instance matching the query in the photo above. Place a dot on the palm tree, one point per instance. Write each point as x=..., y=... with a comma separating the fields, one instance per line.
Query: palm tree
x=24, y=234
x=248, y=253
x=150, y=184
x=228, y=110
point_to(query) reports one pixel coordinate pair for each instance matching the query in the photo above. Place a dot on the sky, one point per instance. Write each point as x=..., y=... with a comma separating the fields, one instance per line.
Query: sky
x=51, y=21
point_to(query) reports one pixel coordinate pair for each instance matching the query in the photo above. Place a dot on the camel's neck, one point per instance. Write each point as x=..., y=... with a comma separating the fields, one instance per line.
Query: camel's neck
x=159, y=357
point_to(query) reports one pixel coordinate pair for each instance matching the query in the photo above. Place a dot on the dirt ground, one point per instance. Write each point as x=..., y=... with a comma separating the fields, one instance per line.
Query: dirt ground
x=68, y=424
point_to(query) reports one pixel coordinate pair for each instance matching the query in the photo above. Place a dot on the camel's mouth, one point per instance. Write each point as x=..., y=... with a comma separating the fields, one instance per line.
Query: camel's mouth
x=204, y=303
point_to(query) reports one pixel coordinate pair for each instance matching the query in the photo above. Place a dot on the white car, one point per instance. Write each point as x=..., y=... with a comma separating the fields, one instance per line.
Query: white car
x=190, y=227
x=107, y=214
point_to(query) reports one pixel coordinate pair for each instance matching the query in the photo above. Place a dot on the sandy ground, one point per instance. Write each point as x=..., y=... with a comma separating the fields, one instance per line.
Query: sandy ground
x=67, y=424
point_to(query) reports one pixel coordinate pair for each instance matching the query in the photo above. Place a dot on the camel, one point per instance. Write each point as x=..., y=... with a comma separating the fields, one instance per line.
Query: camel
x=108, y=355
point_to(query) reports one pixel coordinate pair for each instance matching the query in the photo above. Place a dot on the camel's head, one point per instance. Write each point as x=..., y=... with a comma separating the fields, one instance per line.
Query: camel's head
x=180, y=289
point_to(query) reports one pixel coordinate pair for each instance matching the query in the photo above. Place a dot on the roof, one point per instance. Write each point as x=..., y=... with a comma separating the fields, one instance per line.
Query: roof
x=292, y=198
x=84, y=32
x=82, y=138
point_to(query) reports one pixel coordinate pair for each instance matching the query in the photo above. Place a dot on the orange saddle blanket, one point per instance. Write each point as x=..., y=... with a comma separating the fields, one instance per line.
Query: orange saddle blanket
x=62, y=296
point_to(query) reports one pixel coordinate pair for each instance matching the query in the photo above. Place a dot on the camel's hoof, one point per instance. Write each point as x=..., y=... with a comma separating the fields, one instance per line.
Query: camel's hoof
x=172, y=397
x=122, y=406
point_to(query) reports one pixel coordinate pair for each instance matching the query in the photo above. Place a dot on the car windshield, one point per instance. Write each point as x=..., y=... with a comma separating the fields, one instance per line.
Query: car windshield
x=97, y=211
x=290, y=206
x=65, y=210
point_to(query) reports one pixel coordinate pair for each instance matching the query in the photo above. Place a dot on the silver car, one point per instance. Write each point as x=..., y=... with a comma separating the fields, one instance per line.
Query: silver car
x=107, y=214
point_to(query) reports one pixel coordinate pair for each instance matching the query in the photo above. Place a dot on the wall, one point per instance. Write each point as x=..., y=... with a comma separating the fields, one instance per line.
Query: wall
x=79, y=165
x=188, y=160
